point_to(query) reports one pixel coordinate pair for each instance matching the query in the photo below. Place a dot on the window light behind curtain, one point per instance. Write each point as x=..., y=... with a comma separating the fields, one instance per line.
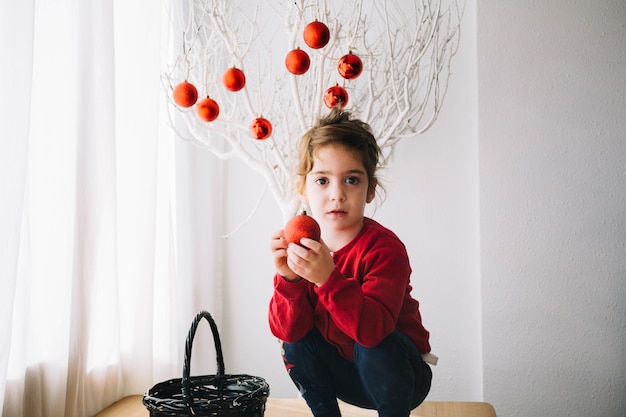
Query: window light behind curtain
x=102, y=264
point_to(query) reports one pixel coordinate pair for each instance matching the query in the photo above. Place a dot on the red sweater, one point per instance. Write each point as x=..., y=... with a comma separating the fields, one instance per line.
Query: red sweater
x=366, y=298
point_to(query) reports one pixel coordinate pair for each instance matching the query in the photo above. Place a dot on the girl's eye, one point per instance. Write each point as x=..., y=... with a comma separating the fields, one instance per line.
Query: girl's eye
x=352, y=180
x=321, y=181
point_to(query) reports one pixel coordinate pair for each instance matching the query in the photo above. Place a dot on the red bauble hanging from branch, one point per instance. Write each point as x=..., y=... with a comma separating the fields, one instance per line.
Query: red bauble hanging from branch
x=261, y=128
x=316, y=34
x=234, y=79
x=208, y=109
x=297, y=61
x=336, y=96
x=185, y=94
x=350, y=66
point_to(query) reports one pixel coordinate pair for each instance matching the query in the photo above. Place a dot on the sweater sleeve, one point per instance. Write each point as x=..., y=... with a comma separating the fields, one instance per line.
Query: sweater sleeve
x=367, y=308
x=290, y=310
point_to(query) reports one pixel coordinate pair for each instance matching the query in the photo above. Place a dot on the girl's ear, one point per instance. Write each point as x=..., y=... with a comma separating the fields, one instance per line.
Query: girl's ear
x=302, y=192
x=371, y=191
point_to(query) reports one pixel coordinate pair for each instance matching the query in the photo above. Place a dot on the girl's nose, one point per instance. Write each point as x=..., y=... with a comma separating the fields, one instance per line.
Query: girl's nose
x=337, y=193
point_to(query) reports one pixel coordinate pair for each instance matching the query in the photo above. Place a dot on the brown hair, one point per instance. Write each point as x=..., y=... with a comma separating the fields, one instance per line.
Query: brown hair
x=339, y=129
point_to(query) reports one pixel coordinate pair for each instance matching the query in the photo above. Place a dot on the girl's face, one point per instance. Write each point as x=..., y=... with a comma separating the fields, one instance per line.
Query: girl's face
x=336, y=191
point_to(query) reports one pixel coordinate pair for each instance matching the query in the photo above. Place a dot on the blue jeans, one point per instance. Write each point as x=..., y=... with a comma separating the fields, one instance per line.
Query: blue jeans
x=391, y=377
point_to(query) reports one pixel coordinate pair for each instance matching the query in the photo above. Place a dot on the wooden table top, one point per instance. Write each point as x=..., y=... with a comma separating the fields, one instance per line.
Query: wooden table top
x=132, y=406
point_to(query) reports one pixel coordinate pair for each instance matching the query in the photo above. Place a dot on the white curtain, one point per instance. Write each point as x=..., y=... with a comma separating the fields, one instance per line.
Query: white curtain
x=108, y=242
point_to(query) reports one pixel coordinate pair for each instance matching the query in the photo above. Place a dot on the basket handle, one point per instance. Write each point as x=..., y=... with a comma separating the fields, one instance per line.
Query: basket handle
x=186, y=380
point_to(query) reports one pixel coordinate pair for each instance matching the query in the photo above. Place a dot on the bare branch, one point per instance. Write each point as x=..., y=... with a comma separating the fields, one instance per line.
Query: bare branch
x=406, y=49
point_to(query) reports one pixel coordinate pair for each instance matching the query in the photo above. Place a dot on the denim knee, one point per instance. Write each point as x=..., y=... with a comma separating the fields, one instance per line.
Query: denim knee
x=394, y=374
x=310, y=363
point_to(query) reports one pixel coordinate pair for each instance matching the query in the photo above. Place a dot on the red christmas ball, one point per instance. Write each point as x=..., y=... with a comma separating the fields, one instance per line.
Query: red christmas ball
x=297, y=61
x=316, y=34
x=208, y=109
x=261, y=128
x=336, y=96
x=185, y=94
x=350, y=66
x=301, y=226
x=234, y=79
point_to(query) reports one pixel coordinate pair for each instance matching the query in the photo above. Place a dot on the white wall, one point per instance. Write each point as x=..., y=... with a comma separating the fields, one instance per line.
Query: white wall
x=552, y=151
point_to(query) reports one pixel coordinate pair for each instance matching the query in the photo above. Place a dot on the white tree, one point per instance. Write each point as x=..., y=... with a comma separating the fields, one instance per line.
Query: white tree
x=405, y=48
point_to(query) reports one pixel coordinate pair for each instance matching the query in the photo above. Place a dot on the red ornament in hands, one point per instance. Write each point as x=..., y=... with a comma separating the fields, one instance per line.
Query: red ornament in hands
x=316, y=34
x=350, y=66
x=185, y=94
x=208, y=109
x=301, y=226
x=336, y=96
x=261, y=128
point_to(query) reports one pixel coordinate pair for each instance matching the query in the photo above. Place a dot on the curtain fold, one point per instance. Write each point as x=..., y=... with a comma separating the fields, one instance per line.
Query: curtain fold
x=110, y=226
x=16, y=22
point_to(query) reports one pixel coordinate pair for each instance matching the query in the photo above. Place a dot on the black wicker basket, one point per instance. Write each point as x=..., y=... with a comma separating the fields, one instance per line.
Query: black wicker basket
x=208, y=395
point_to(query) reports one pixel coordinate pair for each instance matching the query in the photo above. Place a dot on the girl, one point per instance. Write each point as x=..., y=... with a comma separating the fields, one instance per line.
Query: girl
x=342, y=307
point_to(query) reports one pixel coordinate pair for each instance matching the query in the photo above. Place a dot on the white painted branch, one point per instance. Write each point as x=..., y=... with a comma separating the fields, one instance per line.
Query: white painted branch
x=406, y=49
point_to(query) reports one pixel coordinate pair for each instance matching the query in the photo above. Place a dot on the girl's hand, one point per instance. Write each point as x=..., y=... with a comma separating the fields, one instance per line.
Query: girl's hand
x=278, y=246
x=311, y=260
